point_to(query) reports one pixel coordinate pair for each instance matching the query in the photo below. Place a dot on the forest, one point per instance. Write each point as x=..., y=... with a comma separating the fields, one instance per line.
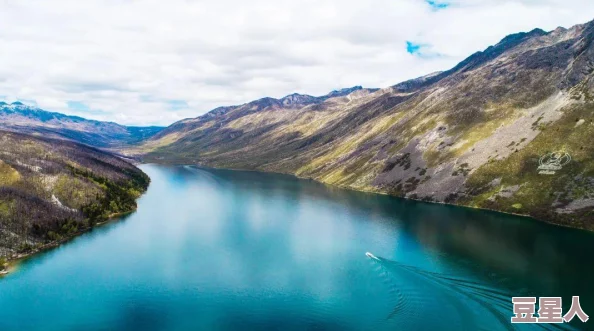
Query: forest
x=51, y=190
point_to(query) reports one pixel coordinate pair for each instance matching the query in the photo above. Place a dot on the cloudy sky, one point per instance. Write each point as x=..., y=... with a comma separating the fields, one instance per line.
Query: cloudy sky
x=154, y=62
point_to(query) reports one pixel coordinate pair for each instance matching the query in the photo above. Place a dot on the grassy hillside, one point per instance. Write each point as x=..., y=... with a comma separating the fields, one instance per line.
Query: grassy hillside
x=52, y=189
x=474, y=135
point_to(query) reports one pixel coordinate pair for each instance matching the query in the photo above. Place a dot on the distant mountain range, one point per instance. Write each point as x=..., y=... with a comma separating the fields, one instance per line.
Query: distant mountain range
x=21, y=118
x=508, y=128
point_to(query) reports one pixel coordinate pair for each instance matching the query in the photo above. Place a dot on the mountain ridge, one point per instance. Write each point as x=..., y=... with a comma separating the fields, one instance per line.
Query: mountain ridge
x=472, y=135
x=294, y=100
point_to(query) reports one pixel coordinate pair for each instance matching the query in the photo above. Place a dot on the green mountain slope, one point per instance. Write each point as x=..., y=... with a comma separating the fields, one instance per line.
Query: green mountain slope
x=52, y=189
x=474, y=135
x=21, y=118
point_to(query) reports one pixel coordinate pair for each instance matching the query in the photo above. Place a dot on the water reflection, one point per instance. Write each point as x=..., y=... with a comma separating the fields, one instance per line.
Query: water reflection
x=520, y=255
x=227, y=250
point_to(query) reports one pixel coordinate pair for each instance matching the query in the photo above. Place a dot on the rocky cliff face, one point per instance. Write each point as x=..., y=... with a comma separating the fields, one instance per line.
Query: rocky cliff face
x=509, y=128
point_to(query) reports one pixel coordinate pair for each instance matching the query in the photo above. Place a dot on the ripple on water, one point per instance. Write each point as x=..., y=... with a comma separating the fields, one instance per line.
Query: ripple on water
x=431, y=300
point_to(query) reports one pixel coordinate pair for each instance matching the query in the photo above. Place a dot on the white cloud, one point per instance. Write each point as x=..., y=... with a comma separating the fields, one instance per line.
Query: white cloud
x=136, y=62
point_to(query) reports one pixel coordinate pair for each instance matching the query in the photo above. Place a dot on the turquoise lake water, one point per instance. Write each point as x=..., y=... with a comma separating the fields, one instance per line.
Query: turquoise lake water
x=231, y=250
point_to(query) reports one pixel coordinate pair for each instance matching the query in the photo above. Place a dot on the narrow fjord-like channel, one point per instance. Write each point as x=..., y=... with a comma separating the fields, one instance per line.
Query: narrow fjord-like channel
x=232, y=250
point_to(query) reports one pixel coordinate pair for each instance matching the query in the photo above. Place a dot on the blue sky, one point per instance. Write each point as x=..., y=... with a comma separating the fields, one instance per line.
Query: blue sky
x=413, y=48
x=423, y=51
x=437, y=5
x=177, y=104
x=156, y=62
x=78, y=106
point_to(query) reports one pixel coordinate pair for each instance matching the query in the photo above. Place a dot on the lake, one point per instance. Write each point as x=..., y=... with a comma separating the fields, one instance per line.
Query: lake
x=233, y=250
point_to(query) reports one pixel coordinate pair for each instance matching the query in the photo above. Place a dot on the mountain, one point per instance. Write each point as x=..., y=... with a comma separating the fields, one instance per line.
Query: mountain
x=509, y=128
x=226, y=114
x=53, y=189
x=21, y=118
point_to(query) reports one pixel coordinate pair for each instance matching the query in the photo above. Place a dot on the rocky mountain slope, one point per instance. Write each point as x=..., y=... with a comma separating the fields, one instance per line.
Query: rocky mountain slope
x=53, y=189
x=21, y=118
x=509, y=128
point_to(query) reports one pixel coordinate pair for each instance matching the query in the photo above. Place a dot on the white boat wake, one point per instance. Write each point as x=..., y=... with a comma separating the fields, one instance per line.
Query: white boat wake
x=371, y=256
x=458, y=303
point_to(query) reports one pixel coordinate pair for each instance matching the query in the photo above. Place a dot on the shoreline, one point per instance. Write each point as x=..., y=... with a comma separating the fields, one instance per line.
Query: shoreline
x=13, y=262
x=527, y=216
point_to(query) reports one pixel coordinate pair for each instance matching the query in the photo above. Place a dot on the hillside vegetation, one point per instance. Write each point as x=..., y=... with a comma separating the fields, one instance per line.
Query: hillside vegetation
x=474, y=135
x=52, y=189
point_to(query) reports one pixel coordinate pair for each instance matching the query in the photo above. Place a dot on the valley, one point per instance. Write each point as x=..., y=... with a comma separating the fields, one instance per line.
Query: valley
x=477, y=135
